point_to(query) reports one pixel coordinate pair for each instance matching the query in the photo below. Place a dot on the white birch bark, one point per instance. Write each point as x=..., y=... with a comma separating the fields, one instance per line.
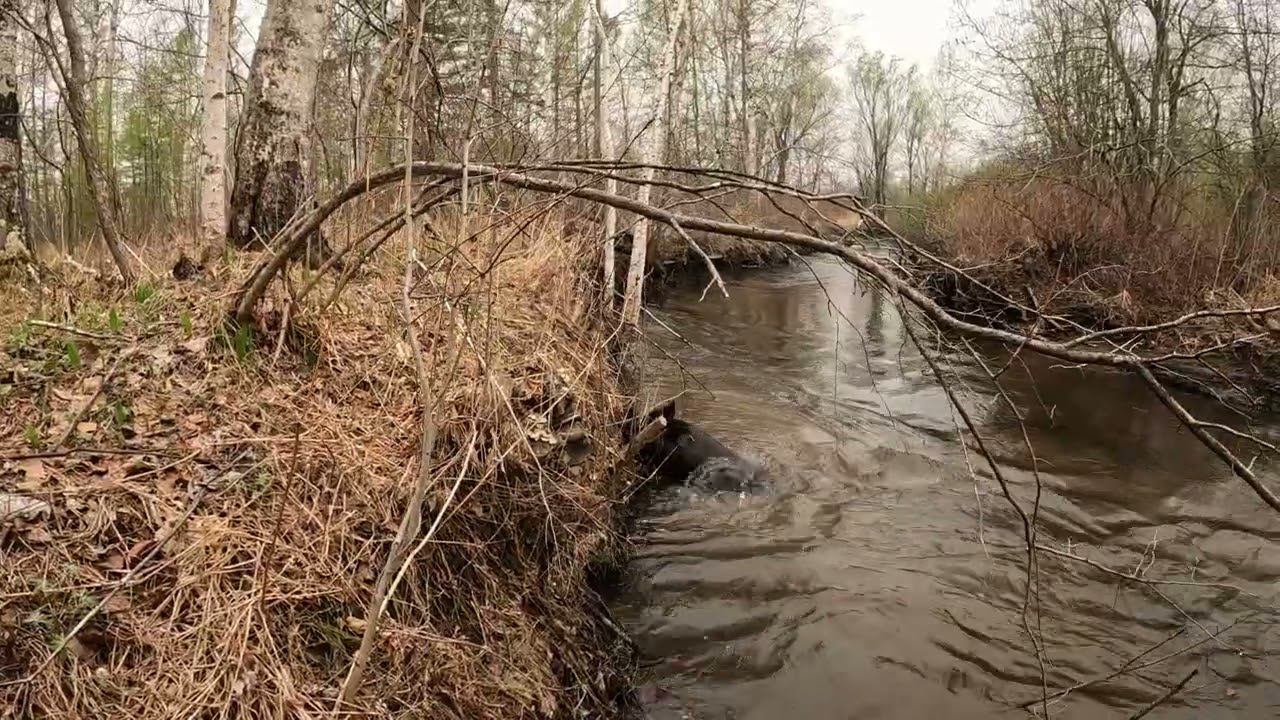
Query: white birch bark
x=213, y=129
x=604, y=149
x=272, y=157
x=11, y=230
x=656, y=149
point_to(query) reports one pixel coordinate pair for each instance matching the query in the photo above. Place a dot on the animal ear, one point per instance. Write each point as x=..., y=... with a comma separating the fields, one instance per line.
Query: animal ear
x=669, y=410
x=666, y=410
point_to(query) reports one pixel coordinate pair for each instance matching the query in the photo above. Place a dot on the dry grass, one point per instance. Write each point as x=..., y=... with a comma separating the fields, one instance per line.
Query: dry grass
x=1093, y=249
x=282, y=471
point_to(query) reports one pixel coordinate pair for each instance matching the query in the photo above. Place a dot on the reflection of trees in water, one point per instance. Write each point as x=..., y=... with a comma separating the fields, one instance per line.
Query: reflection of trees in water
x=1092, y=422
x=875, y=325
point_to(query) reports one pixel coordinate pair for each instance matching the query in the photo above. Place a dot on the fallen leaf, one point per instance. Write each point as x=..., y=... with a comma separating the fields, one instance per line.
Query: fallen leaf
x=161, y=358
x=87, y=427
x=166, y=486
x=77, y=648
x=117, y=603
x=196, y=346
x=356, y=624
x=38, y=535
x=113, y=561
x=35, y=471
x=66, y=395
x=140, y=548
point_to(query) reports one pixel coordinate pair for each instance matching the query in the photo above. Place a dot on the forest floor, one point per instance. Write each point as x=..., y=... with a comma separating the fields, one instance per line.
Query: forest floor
x=193, y=519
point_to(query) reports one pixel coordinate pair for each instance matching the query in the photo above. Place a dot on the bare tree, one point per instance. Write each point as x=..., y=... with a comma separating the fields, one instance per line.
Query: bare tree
x=213, y=132
x=746, y=114
x=271, y=178
x=657, y=147
x=11, y=226
x=915, y=133
x=604, y=145
x=76, y=80
x=879, y=96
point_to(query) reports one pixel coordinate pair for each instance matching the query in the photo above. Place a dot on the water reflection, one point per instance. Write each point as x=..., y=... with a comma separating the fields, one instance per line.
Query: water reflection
x=879, y=578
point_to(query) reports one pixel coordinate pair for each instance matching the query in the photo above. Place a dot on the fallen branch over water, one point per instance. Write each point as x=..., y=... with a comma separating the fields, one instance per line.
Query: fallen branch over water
x=895, y=282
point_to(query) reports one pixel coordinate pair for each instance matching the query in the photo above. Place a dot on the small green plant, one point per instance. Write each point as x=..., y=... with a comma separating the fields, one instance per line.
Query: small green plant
x=261, y=482
x=121, y=413
x=71, y=353
x=242, y=343
x=82, y=602
x=31, y=434
x=185, y=321
x=38, y=618
x=21, y=336
x=144, y=292
x=113, y=321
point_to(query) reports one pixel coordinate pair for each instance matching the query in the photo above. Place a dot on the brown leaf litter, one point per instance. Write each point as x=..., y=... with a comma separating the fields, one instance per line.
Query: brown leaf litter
x=206, y=541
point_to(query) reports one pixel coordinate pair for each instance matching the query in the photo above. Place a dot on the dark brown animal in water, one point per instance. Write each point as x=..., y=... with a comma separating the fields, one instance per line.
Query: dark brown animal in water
x=686, y=452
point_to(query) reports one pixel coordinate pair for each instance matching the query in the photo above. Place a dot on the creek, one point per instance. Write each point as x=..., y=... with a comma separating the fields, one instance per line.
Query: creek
x=881, y=573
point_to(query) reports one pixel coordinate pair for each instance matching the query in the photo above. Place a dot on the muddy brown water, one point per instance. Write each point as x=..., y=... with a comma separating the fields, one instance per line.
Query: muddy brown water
x=874, y=578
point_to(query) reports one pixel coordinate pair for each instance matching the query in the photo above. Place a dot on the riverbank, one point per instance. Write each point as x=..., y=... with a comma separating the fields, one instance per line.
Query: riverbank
x=1018, y=250
x=672, y=254
x=194, y=520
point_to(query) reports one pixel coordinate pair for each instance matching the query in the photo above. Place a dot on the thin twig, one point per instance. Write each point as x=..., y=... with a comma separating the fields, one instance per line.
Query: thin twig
x=1167, y=696
x=1139, y=578
x=1028, y=531
x=75, y=419
x=71, y=330
x=89, y=451
x=435, y=524
x=412, y=519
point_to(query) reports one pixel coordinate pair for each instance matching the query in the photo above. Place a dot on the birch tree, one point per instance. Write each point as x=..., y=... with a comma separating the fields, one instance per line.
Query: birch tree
x=604, y=146
x=11, y=230
x=75, y=80
x=654, y=152
x=213, y=130
x=272, y=157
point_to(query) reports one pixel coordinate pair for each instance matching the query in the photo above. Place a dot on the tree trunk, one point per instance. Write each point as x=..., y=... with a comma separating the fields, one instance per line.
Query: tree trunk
x=748, y=121
x=635, y=272
x=213, y=131
x=364, y=141
x=102, y=112
x=604, y=149
x=11, y=225
x=272, y=153
x=75, y=80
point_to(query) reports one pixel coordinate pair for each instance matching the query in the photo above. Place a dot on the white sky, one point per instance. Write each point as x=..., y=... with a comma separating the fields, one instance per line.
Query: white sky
x=914, y=30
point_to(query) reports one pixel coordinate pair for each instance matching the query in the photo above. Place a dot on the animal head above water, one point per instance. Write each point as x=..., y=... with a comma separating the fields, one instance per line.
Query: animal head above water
x=686, y=452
